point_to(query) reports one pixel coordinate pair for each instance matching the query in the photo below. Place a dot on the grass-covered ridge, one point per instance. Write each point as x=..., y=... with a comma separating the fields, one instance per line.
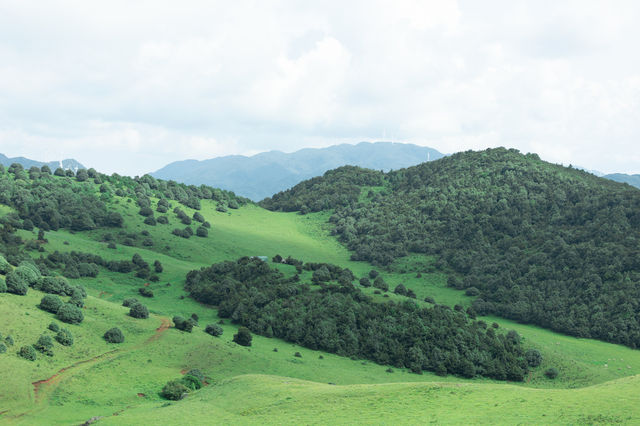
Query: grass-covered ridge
x=541, y=243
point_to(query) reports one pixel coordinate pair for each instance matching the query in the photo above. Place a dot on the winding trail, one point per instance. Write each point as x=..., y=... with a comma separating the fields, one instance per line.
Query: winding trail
x=43, y=387
x=37, y=386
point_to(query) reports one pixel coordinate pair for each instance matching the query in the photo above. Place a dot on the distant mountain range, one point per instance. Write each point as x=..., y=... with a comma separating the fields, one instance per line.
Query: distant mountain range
x=27, y=163
x=267, y=173
x=633, y=180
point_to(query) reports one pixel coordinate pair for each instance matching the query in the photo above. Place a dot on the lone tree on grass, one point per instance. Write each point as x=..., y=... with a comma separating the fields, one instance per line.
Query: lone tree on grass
x=243, y=337
x=114, y=335
x=174, y=390
x=214, y=330
x=138, y=310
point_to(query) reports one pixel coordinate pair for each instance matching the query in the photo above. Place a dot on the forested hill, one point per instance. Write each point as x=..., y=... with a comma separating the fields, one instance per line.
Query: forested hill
x=542, y=243
x=264, y=174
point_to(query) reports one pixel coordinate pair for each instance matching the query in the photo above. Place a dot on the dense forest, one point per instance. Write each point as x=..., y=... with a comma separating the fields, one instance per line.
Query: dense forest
x=66, y=200
x=336, y=317
x=544, y=244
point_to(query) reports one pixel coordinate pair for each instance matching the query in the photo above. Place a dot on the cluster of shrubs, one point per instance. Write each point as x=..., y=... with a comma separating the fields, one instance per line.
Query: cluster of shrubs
x=325, y=272
x=187, y=232
x=68, y=312
x=183, y=324
x=18, y=280
x=5, y=342
x=77, y=264
x=178, y=389
x=45, y=344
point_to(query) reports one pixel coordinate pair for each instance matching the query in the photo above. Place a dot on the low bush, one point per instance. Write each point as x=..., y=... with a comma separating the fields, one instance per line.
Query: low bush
x=551, y=373
x=129, y=302
x=400, y=290
x=114, y=335
x=138, y=310
x=3, y=348
x=64, y=337
x=192, y=382
x=533, y=357
x=197, y=373
x=183, y=324
x=70, y=313
x=202, y=232
x=145, y=292
x=472, y=291
x=29, y=272
x=5, y=266
x=44, y=345
x=3, y=286
x=214, y=330
x=28, y=353
x=16, y=284
x=54, y=327
x=54, y=285
x=174, y=390
x=50, y=303
x=243, y=337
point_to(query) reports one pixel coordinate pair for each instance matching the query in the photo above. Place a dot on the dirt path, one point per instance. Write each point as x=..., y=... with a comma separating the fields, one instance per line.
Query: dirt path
x=166, y=323
x=56, y=377
x=50, y=384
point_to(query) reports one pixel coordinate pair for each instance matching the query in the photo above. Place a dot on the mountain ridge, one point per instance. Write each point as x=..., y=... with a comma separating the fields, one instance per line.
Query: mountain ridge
x=68, y=163
x=267, y=173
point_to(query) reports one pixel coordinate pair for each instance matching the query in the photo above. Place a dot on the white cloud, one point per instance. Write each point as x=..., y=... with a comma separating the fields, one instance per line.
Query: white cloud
x=131, y=86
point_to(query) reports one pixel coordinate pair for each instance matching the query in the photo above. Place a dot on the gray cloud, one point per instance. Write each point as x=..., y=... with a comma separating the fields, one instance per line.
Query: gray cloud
x=131, y=86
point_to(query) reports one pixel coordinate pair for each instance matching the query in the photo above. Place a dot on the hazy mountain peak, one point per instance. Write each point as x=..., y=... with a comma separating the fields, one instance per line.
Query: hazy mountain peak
x=264, y=174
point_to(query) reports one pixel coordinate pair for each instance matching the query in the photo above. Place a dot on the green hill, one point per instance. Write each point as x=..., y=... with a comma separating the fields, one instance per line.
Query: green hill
x=540, y=243
x=273, y=381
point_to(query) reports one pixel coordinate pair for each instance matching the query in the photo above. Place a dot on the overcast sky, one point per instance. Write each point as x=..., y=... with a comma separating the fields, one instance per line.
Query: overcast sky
x=129, y=86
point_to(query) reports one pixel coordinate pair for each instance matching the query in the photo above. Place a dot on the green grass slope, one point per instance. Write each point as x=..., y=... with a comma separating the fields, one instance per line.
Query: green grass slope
x=258, y=399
